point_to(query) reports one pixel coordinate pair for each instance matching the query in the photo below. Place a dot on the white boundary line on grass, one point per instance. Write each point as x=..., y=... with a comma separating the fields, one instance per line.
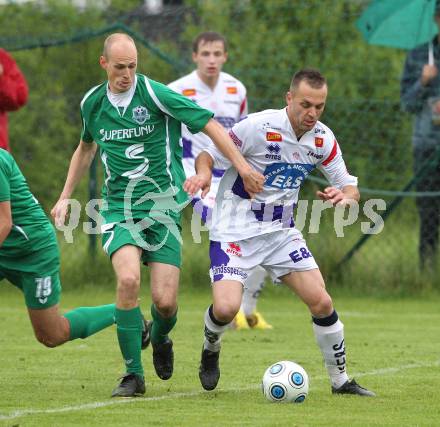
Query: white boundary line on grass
x=96, y=405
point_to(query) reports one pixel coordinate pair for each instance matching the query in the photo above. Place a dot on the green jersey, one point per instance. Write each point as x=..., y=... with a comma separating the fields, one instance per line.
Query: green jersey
x=140, y=143
x=31, y=230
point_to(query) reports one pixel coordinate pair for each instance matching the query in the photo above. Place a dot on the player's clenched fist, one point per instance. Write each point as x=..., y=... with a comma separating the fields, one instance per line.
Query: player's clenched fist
x=60, y=211
x=337, y=197
x=253, y=182
x=197, y=182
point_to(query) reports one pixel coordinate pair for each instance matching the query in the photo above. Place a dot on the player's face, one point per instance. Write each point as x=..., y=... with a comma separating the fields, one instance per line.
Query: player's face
x=120, y=66
x=305, y=105
x=210, y=58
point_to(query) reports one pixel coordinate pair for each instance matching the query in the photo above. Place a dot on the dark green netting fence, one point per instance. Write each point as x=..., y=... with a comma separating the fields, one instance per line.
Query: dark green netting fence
x=58, y=46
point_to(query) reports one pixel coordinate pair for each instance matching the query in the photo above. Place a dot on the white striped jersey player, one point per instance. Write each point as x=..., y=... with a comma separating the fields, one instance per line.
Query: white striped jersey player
x=268, y=142
x=228, y=103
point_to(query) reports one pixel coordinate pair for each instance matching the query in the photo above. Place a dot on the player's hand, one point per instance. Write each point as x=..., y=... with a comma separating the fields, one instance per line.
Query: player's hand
x=335, y=196
x=253, y=182
x=428, y=73
x=1, y=69
x=197, y=182
x=60, y=212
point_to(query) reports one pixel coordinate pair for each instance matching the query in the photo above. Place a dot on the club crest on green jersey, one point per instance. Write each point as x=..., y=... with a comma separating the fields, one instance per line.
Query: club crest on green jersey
x=140, y=114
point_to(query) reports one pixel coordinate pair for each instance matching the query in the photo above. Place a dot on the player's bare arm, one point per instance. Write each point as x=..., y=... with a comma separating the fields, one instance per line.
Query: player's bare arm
x=202, y=180
x=5, y=220
x=336, y=196
x=253, y=181
x=79, y=165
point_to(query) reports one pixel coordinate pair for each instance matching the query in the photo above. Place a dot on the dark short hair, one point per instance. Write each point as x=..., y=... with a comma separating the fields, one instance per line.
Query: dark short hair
x=209, y=36
x=313, y=77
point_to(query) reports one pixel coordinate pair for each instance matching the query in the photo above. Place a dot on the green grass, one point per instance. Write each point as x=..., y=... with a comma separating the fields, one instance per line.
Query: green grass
x=392, y=348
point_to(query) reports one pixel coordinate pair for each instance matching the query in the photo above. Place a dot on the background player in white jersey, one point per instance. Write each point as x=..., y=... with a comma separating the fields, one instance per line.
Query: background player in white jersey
x=225, y=96
x=246, y=232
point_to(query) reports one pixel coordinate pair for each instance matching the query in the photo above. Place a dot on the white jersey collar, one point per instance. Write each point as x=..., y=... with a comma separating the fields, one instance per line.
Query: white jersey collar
x=122, y=99
x=311, y=131
x=201, y=82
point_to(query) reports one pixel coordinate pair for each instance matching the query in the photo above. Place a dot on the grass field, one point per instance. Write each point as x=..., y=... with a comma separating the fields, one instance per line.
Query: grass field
x=392, y=346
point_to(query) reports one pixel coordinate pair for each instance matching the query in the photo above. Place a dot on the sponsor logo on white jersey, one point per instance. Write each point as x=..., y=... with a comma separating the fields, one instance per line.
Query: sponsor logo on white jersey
x=274, y=151
x=274, y=136
x=319, y=130
x=316, y=156
x=287, y=175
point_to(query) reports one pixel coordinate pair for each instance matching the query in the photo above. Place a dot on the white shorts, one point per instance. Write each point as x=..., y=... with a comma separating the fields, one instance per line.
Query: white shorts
x=279, y=253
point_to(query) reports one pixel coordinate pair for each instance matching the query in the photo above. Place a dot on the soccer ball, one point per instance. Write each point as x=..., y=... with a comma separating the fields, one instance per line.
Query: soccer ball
x=285, y=381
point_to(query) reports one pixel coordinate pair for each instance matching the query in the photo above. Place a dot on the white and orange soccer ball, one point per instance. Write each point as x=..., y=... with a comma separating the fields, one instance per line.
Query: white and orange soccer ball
x=285, y=381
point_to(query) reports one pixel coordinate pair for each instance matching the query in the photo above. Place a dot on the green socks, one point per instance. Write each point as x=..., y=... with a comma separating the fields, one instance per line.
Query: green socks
x=161, y=326
x=129, y=329
x=86, y=321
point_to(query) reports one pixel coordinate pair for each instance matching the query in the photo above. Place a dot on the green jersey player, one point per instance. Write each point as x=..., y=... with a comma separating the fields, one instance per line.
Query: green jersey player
x=29, y=259
x=136, y=123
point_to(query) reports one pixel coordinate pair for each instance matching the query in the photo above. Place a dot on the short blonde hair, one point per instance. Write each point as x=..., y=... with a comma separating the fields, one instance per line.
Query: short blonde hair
x=113, y=38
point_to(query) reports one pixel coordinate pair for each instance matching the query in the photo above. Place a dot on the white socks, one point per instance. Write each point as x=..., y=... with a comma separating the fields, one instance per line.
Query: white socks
x=331, y=342
x=213, y=331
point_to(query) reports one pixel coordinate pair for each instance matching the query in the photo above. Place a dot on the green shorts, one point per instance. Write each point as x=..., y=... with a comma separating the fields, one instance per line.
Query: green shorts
x=41, y=287
x=160, y=241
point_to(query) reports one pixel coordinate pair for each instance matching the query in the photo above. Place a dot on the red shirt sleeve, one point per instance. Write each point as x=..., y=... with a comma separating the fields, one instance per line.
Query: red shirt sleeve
x=13, y=86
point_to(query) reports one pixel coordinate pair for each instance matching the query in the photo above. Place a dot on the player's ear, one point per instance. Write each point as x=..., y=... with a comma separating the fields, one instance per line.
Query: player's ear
x=194, y=57
x=103, y=62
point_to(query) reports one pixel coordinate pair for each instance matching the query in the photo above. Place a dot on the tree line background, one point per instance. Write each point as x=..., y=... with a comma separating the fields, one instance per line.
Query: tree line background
x=57, y=46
